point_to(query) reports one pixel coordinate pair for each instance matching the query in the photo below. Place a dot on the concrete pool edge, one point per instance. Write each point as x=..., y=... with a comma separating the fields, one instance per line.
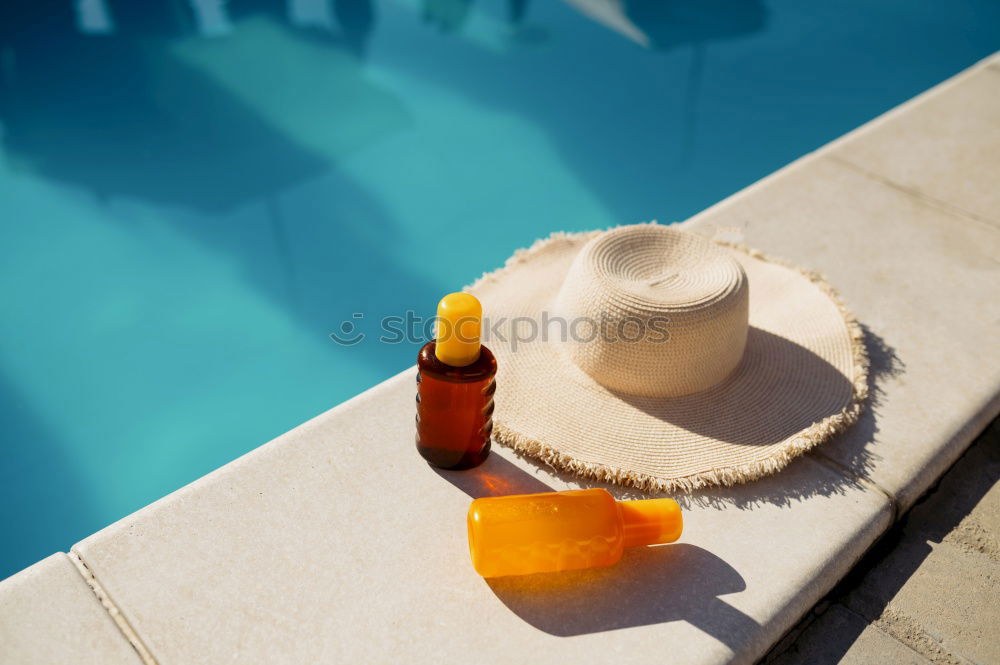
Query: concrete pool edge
x=832, y=171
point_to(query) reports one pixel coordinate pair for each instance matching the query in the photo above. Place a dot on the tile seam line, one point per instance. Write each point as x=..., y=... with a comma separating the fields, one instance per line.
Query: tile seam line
x=976, y=423
x=917, y=194
x=126, y=629
x=843, y=470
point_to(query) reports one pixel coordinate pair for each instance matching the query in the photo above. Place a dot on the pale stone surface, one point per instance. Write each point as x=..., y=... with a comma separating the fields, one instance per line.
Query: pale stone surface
x=841, y=636
x=49, y=616
x=945, y=145
x=923, y=281
x=337, y=542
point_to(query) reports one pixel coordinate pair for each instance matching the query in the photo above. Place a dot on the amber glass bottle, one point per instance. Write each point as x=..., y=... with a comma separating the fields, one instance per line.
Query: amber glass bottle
x=455, y=386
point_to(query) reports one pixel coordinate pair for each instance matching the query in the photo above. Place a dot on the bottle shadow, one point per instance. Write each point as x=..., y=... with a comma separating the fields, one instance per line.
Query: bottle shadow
x=494, y=477
x=650, y=585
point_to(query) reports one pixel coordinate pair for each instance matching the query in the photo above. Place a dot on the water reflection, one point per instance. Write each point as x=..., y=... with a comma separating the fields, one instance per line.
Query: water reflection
x=450, y=15
x=666, y=24
x=671, y=23
x=93, y=17
x=211, y=126
x=446, y=15
x=516, y=11
x=310, y=13
x=124, y=115
x=656, y=24
x=236, y=143
x=354, y=19
x=211, y=17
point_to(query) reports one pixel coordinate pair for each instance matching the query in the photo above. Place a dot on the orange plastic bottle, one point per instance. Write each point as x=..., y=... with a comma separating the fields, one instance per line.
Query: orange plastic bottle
x=455, y=388
x=552, y=531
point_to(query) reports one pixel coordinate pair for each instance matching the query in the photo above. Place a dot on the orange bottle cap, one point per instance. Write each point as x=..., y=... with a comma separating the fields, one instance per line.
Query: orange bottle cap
x=651, y=521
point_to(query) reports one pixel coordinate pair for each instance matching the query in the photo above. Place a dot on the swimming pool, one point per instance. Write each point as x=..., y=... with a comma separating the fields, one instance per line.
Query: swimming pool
x=193, y=199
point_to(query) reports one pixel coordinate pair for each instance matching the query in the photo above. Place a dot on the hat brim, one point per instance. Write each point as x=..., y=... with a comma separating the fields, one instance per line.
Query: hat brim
x=802, y=379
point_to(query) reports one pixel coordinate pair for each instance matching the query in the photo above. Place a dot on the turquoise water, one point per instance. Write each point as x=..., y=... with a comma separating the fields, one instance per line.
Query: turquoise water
x=192, y=200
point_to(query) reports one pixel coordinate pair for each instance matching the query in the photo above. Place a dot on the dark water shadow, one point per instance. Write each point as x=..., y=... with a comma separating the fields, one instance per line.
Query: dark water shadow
x=353, y=21
x=445, y=15
x=356, y=19
x=451, y=15
x=791, y=384
x=45, y=504
x=669, y=24
x=650, y=585
x=124, y=117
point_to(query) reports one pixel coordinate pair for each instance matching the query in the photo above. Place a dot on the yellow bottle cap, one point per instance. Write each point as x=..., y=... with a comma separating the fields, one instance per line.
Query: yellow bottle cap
x=459, y=324
x=650, y=521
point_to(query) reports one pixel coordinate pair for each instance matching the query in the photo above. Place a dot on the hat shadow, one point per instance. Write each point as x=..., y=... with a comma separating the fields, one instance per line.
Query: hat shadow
x=650, y=585
x=854, y=459
x=779, y=389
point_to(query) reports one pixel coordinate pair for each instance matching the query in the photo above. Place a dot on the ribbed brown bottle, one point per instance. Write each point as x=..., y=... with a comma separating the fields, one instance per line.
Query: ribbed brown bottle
x=455, y=386
x=455, y=409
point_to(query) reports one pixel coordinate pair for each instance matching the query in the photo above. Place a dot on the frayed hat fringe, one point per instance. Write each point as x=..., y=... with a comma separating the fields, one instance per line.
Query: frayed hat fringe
x=805, y=440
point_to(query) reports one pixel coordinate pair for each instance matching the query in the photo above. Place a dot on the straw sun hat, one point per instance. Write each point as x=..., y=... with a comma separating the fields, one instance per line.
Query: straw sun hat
x=660, y=359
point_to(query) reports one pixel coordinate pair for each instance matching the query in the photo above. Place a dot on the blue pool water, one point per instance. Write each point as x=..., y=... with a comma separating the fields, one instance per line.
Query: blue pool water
x=193, y=195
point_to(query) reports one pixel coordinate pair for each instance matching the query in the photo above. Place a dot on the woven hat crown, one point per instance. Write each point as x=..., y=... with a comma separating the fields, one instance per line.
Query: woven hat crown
x=655, y=312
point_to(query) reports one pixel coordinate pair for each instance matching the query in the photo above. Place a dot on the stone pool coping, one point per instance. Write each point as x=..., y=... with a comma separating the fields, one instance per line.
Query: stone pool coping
x=248, y=564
